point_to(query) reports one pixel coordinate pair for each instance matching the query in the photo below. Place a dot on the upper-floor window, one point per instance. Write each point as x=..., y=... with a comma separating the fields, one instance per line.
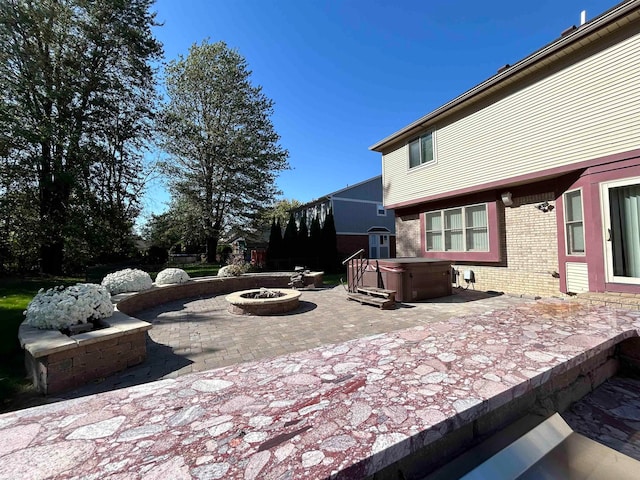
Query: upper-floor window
x=421, y=150
x=463, y=229
x=381, y=211
x=574, y=226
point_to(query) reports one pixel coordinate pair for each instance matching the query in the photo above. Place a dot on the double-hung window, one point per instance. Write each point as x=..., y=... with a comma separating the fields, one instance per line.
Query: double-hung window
x=463, y=229
x=421, y=150
x=574, y=226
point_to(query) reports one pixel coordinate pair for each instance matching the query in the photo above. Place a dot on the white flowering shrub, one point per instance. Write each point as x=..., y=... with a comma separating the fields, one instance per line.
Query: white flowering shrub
x=233, y=270
x=127, y=280
x=60, y=307
x=172, y=275
x=237, y=267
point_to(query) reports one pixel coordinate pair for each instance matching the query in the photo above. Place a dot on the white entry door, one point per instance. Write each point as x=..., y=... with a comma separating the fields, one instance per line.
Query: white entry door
x=378, y=245
x=621, y=215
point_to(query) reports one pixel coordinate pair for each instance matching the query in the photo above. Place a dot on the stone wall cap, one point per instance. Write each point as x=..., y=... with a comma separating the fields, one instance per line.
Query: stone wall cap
x=236, y=298
x=40, y=343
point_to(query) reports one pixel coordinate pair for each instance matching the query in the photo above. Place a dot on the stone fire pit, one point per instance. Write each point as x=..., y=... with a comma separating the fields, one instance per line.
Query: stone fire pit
x=262, y=301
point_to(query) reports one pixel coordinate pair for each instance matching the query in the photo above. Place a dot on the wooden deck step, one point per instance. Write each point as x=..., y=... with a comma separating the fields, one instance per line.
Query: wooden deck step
x=371, y=300
x=378, y=292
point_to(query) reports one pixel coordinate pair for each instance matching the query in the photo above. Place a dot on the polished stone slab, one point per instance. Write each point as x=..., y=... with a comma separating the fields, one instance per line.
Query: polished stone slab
x=346, y=409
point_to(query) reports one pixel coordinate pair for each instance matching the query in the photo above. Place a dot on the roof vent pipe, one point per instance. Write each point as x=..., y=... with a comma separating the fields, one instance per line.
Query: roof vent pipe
x=583, y=17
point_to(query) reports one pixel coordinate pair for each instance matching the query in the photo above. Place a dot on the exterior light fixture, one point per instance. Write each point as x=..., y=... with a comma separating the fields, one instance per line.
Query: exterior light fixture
x=506, y=199
x=544, y=207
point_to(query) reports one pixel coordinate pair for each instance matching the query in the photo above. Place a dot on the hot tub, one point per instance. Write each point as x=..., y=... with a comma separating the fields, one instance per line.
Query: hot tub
x=412, y=278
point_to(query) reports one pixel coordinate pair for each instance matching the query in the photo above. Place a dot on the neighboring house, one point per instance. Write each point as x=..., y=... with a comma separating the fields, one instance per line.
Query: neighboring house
x=531, y=180
x=361, y=220
x=245, y=246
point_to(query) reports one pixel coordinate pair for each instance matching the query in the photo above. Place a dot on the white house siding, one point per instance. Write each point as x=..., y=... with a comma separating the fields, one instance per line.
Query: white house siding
x=585, y=111
x=577, y=277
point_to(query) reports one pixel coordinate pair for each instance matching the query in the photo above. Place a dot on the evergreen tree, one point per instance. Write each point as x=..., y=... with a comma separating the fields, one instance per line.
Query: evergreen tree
x=303, y=240
x=290, y=240
x=315, y=243
x=274, y=250
x=329, y=244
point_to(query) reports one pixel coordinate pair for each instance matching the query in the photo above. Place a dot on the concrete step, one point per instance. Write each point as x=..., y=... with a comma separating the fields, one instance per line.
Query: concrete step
x=371, y=300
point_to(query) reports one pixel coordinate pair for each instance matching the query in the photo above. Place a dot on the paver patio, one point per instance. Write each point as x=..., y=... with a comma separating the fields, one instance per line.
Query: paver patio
x=199, y=334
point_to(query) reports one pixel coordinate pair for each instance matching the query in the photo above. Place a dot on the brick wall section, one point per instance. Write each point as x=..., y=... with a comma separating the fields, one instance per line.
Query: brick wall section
x=408, y=236
x=531, y=250
x=347, y=245
x=529, y=246
x=72, y=368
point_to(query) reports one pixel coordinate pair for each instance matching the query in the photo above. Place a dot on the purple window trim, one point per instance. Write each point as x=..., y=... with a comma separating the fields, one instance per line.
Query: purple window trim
x=493, y=255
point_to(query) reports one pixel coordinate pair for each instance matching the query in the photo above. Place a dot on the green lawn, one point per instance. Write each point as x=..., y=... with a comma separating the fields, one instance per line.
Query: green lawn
x=15, y=295
x=330, y=279
x=199, y=269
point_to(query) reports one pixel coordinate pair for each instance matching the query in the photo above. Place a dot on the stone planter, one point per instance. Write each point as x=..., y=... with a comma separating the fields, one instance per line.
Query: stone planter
x=57, y=362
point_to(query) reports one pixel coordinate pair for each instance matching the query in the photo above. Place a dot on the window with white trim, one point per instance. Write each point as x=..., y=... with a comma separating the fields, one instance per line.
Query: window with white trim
x=573, y=223
x=421, y=150
x=462, y=229
x=381, y=211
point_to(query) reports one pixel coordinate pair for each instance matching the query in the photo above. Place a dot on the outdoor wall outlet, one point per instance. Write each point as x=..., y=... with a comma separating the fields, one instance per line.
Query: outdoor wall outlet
x=469, y=276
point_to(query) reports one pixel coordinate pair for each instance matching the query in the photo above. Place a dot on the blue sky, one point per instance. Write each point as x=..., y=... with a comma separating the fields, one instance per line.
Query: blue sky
x=345, y=74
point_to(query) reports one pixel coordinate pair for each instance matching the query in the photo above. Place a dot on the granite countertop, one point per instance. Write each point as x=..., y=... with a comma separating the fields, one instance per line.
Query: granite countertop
x=344, y=410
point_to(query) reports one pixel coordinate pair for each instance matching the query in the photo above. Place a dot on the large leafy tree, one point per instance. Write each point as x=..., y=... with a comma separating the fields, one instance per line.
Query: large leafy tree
x=77, y=92
x=281, y=210
x=224, y=151
x=179, y=226
x=18, y=220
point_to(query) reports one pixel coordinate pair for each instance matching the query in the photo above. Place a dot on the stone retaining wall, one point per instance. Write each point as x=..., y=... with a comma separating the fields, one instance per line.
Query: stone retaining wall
x=56, y=362
x=132, y=303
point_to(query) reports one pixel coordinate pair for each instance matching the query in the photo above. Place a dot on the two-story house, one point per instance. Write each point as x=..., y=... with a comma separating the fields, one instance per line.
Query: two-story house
x=360, y=219
x=530, y=181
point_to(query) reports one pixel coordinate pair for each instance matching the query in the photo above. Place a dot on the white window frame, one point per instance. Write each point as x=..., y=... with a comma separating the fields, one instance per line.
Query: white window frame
x=419, y=140
x=380, y=208
x=610, y=275
x=464, y=228
x=379, y=239
x=566, y=223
